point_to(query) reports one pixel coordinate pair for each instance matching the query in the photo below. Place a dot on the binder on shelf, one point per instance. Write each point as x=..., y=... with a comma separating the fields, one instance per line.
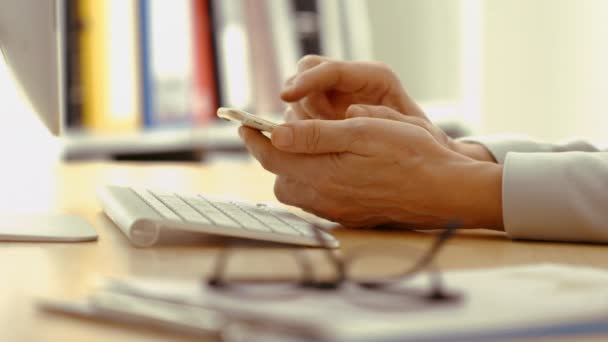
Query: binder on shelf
x=338, y=29
x=263, y=57
x=167, y=62
x=108, y=64
x=284, y=36
x=233, y=59
x=273, y=52
x=72, y=70
x=204, y=100
x=333, y=37
x=308, y=30
x=171, y=84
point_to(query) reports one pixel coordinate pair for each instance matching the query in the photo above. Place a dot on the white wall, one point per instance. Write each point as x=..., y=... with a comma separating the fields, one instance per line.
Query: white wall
x=546, y=67
x=420, y=40
x=542, y=68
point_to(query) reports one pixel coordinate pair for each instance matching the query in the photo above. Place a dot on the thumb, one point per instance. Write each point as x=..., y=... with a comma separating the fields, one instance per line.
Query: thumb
x=321, y=136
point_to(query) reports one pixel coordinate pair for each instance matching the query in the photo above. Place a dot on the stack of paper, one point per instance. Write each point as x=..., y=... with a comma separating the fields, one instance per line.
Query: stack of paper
x=506, y=303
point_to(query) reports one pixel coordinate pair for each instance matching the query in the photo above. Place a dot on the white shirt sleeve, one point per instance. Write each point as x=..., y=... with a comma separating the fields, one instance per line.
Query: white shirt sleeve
x=555, y=192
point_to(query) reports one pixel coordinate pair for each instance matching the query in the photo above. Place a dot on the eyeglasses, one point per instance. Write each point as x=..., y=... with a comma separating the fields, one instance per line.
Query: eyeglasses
x=385, y=292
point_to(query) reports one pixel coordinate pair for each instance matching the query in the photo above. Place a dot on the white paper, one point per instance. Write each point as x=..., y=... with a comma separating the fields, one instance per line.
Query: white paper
x=498, y=302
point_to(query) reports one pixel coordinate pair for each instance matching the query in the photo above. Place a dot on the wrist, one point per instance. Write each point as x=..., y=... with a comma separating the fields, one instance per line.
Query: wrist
x=473, y=150
x=476, y=194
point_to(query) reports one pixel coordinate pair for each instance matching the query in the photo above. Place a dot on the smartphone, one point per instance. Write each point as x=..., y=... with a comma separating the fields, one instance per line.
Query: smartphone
x=246, y=119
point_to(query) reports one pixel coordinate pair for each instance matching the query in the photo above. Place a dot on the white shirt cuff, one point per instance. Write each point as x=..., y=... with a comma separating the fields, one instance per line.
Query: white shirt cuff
x=500, y=145
x=556, y=196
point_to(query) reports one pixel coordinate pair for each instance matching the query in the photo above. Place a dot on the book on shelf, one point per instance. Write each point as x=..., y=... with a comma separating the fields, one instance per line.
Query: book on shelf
x=233, y=54
x=108, y=64
x=257, y=21
x=72, y=71
x=167, y=62
x=331, y=28
x=135, y=65
x=281, y=32
x=308, y=30
x=337, y=29
x=287, y=49
x=204, y=100
x=256, y=49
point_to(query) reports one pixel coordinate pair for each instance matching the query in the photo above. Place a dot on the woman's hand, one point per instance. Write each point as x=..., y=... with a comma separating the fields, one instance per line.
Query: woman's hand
x=328, y=89
x=325, y=88
x=368, y=171
x=471, y=150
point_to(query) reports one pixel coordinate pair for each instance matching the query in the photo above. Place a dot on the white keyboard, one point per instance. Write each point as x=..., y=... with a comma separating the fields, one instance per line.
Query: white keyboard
x=143, y=214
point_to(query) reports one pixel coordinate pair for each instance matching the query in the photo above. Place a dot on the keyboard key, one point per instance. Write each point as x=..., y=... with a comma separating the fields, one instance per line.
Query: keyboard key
x=214, y=214
x=159, y=206
x=300, y=225
x=193, y=216
x=174, y=202
x=160, y=193
x=240, y=216
x=274, y=223
x=204, y=207
x=190, y=199
x=183, y=209
x=228, y=208
x=221, y=219
x=250, y=223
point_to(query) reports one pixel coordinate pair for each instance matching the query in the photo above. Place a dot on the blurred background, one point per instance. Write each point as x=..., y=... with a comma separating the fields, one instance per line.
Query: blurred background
x=144, y=77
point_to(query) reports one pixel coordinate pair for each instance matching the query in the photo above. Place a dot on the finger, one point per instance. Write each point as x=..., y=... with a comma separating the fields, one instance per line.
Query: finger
x=297, y=166
x=333, y=75
x=293, y=192
x=310, y=61
x=384, y=112
x=317, y=106
x=290, y=115
x=370, y=111
x=304, y=64
x=323, y=136
x=295, y=112
x=289, y=81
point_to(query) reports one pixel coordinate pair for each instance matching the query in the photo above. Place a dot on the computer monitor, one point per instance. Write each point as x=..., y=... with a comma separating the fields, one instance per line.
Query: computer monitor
x=31, y=40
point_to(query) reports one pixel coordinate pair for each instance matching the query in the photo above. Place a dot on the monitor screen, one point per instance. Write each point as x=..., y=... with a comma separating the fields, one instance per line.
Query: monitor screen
x=30, y=39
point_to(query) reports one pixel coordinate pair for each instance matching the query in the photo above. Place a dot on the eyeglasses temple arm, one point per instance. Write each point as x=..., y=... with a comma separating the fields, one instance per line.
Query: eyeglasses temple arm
x=336, y=262
x=217, y=277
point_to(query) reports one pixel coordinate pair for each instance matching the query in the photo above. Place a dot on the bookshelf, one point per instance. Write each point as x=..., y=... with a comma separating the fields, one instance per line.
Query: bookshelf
x=153, y=144
x=160, y=96
x=237, y=54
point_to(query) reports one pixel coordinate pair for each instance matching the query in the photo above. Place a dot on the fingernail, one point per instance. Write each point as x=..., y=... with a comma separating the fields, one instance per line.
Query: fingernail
x=289, y=88
x=282, y=136
x=286, y=91
x=356, y=110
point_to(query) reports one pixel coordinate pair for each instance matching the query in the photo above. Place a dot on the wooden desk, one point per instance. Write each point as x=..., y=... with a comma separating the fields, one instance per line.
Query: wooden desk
x=30, y=270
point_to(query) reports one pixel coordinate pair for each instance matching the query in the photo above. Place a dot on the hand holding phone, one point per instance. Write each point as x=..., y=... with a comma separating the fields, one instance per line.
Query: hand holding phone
x=246, y=119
